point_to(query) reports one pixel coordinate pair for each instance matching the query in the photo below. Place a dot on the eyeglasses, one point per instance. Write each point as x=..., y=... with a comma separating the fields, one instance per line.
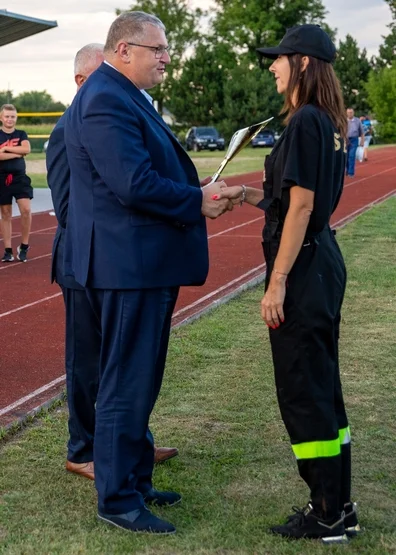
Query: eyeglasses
x=159, y=51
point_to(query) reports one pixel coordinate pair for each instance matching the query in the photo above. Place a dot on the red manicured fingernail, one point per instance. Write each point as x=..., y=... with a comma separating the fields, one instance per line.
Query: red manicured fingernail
x=215, y=197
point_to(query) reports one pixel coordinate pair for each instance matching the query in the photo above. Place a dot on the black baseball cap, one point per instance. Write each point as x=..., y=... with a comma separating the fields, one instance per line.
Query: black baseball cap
x=309, y=40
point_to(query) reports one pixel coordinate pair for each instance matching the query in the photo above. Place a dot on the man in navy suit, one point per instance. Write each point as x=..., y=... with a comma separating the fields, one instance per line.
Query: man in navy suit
x=83, y=335
x=135, y=233
x=82, y=327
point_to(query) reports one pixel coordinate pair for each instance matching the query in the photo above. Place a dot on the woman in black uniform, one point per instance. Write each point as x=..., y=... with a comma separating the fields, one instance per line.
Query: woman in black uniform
x=306, y=277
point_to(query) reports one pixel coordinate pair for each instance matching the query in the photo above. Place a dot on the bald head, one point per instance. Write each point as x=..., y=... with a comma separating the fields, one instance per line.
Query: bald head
x=87, y=60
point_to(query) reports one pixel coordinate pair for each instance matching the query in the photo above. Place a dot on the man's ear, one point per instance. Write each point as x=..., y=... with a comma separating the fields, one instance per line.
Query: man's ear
x=79, y=79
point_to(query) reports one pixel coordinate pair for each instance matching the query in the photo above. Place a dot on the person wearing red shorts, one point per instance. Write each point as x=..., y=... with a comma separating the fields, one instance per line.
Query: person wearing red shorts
x=14, y=183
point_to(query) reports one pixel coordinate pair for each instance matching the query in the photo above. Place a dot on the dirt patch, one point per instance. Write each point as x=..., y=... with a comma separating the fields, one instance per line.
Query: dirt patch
x=35, y=166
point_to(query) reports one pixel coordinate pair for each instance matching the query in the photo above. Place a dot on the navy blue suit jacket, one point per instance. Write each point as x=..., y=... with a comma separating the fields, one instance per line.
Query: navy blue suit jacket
x=134, y=217
x=58, y=178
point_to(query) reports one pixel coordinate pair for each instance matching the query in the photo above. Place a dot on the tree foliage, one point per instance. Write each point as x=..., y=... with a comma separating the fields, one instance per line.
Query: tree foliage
x=249, y=97
x=249, y=24
x=223, y=83
x=381, y=89
x=353, y=68
x=387, y=51
x=182, y=31
x=33, y=101
x=198, y=94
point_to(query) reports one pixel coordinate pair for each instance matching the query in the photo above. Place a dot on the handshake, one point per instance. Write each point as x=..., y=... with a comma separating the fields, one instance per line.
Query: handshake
x=217, y=198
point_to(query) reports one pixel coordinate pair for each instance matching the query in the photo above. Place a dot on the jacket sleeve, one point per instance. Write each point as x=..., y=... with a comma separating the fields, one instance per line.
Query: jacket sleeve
x=115, y=141
x=58, y=174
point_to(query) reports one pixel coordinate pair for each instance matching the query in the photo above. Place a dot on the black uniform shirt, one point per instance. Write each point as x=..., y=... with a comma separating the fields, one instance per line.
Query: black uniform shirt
x=16, y=166
x=310, y=153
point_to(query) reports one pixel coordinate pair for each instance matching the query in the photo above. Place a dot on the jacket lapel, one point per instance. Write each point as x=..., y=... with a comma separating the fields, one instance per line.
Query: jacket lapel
x=137, y=97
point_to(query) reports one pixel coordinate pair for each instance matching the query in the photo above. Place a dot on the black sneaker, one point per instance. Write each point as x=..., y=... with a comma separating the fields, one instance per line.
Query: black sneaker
x=22, y=254
x=7, y=257
x=351, y=523
x=306, y=524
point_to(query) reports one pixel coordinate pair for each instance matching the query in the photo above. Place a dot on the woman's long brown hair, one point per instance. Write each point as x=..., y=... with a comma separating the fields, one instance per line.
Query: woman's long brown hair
x=317, y=85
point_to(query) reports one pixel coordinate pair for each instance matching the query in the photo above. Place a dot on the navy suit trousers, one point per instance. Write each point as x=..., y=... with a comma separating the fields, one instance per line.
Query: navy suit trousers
x=83, y=340
x=135, y=333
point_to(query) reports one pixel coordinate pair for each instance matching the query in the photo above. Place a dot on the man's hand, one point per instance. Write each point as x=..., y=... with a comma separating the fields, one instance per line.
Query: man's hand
x=205, y=181
x=212, y=208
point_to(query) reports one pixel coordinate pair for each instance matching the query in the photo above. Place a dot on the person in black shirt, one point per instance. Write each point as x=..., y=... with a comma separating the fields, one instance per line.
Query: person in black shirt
x=306, y=278
x=14, y=183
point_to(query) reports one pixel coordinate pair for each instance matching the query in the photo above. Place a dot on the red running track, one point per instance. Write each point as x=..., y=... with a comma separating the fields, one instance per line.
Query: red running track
x=31, y=308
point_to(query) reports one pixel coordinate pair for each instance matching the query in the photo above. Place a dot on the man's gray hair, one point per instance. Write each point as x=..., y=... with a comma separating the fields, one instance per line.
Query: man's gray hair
x=131, y=25
x=86, y=56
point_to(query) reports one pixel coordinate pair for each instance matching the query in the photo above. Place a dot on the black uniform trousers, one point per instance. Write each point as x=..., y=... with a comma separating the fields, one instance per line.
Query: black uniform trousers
x=307, y=375
x=135, y=328
x=83, y=339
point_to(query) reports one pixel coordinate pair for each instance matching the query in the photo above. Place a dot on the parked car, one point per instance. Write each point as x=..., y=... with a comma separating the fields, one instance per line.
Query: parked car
x=201, y=138
x=264, y=138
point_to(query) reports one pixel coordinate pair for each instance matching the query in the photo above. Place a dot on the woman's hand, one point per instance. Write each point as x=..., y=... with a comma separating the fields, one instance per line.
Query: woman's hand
x=233, y=193
x=272, y=303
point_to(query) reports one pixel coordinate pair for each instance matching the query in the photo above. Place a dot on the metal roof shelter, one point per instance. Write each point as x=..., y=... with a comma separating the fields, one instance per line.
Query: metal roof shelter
x=15, y=26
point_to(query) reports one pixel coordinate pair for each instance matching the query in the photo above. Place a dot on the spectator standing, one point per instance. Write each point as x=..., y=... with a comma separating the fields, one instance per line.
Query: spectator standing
x=14, y=183
x=355, y=132
x=368, y=135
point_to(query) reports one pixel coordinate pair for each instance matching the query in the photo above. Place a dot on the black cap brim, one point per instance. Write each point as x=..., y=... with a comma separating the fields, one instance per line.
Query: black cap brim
x=275, y=51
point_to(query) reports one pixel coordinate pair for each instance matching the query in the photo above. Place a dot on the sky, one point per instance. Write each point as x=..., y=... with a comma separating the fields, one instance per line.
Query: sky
x=45, y=61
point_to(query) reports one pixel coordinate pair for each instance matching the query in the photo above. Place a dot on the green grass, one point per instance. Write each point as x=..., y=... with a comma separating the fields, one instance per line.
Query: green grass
x=235, y=470
x=249, y=160
x=39, y=180
x=36, y=156
x=43, y=129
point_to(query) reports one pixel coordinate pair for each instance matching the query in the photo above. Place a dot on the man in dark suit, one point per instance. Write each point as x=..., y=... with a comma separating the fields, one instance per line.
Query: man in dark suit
x=135, y=233
x=83, y=335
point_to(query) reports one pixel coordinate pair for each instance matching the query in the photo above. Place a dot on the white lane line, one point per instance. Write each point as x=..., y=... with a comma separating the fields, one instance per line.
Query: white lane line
x=29, y=305
x=31, y=395
x=32, y=232
x=262, y=266
x=8, y=265
x=368, y=177
x=236, y=227
x=362, y=209
x=213, y=293
x=21, y=401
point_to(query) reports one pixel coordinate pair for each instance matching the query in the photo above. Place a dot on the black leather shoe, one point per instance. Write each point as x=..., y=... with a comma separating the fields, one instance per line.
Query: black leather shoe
x=161, y=498
x=141, y=520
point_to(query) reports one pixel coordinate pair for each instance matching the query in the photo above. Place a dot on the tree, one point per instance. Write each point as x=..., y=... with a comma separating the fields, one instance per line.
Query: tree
x=6, y=97
x=37, y=101
x=353, y=68
x=381, y=89
x=387, y=51
x=182, y=30
x=198, y=95
x=250, y=96
x=253, y=23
